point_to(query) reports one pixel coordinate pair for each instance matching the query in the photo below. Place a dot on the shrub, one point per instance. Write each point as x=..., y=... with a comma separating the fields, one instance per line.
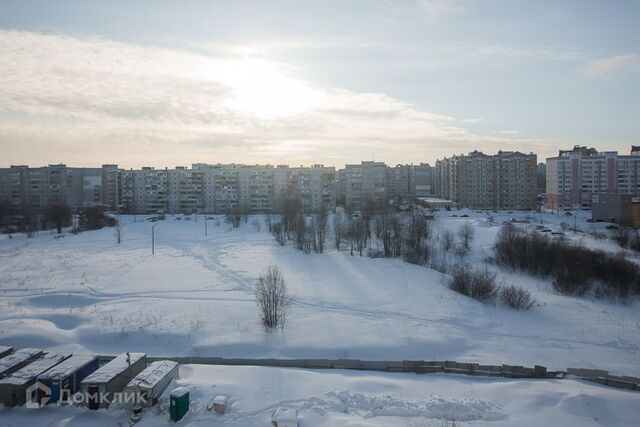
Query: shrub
x=575, y=270
x=484, y=287
x=516, y=298
x=571, y=284
x=461, y=278
x=480, y=285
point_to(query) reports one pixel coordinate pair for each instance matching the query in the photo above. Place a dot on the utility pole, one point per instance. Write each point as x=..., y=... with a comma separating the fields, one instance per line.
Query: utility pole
x=205, y=224
x=153, y=239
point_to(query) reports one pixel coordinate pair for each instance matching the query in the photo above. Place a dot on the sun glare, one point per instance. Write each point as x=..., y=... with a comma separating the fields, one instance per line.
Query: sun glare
x=264, y=90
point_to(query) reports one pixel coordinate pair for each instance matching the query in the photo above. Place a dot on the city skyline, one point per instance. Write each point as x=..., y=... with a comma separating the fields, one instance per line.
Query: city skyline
x=153, y=83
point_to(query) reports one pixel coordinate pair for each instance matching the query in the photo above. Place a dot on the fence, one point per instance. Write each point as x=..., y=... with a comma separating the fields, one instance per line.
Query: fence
x=417, y=366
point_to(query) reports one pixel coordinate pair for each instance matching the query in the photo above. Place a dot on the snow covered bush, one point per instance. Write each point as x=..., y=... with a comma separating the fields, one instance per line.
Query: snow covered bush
x=273, y=297
x=516, y=297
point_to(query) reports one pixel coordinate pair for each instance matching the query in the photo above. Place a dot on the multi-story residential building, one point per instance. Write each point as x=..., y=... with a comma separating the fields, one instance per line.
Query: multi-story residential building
x=423, y=180
x=220, y=186
x=363, y=182
x=110, y=185
x=315, y=185
x=144, y=191
x=33, y=189
x=211, y=188
x=447, y=178
x=255, y=184
x=184, y=190
x=400, y=181
x=14, y=189
x=574, y=176
x=506, y=180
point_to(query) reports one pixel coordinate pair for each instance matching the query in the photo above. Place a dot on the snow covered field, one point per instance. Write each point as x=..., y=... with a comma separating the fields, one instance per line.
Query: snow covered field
x=85, y=293
x=195, y=297
x=357, y=399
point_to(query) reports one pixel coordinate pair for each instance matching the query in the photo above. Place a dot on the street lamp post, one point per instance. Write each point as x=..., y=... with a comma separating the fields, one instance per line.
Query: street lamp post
x=153, y=239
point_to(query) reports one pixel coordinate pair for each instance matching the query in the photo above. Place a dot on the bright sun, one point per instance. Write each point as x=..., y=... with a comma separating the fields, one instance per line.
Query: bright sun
x=264, y=90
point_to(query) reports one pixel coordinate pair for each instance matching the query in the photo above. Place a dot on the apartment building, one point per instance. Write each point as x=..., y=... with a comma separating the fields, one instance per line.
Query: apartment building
x=143, y=191
x=447, y=178
x=33, y=189
x=214, y=188
x=184, y=190
x=315, y=185
x=363, y=182
x=221, y=187
x=575, y=175
x=507, y=180
x=423, y=180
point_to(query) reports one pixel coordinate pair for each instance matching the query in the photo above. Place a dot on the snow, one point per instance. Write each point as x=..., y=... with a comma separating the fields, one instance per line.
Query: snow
x=69, y=366
x=16, y=358
x=4, y=350
x=153, y=374
x=364, y=399
x=194, y=297
x=285, y=417
x=32, y=370
x=179, y=392
x=114, y=368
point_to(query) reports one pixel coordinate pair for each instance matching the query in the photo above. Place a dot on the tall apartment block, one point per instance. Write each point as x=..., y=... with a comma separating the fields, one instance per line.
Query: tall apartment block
x=575, y=175
x=27, y=189
x=507, y=180
x=215, y=188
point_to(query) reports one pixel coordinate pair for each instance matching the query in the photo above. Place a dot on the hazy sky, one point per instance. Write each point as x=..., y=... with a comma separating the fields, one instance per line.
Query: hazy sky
x=170, y=83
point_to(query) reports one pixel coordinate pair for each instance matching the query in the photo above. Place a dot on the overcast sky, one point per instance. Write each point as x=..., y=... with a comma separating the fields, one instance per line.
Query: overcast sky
x=170, y=83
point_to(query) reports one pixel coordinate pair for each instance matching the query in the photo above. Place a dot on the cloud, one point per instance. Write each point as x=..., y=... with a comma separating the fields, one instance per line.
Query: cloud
x=89, y=100
x=612, y=64
x=509, y=132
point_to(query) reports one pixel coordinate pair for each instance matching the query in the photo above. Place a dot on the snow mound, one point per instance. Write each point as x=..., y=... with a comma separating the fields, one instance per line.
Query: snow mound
x=434, y=406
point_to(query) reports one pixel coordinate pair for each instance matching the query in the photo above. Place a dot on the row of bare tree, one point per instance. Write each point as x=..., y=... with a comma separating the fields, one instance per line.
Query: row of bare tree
x=407, y=235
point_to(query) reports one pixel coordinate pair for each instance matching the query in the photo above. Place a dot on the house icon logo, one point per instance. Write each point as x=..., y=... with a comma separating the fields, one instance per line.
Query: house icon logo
x=37, y=395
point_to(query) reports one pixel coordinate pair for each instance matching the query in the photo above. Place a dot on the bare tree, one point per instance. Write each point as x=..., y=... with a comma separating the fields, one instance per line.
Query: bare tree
x=273, y=297
x=358, y=235
x=277, y=229
x=59, y=215
x=340, y=228
x=446, y=240
x=320, y=229
x=466, y=234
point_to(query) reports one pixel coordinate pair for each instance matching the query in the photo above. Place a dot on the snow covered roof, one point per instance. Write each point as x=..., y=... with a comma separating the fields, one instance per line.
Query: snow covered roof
x=153, y=374
x=114, y=368
x=5, y=350
x=32, y=370
x=17, y=357
x=179, y=392
x=69, y=366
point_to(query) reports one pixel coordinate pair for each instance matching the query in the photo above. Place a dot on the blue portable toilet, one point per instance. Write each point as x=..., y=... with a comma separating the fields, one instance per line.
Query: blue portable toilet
x=64, y=379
